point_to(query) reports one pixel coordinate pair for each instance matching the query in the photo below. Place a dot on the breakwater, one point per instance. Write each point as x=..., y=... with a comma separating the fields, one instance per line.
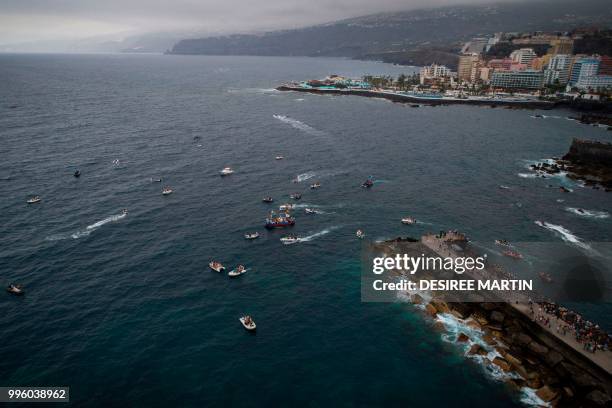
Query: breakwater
x=418, y=99
x=534, y=349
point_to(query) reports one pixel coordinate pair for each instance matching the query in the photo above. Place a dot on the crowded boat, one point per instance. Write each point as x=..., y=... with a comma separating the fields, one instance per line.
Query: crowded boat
x=248, y=323
x=240, y=269
x=33, y=200
x=216, y=266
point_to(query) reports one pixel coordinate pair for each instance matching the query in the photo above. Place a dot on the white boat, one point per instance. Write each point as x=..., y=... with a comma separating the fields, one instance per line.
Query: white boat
x=156, y=180
x=279, y=157
x=167, y=191
x=253, y=235
x=315, y=185
x=240, y=269
x=33, y=200
x=248, y=323
x=226, y=171
x=295, y=196
x=15, y=289
x=408, y=221
x=216, y=266
x=286, y=207
x=310, y=211
x=360, y=234
x=502, y=242
x=290, y=239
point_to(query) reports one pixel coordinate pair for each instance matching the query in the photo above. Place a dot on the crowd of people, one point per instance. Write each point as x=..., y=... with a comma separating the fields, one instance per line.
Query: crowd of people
x=564, y=321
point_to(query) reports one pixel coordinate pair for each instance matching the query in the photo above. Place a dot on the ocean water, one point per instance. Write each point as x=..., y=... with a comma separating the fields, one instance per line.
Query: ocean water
x=123, y=308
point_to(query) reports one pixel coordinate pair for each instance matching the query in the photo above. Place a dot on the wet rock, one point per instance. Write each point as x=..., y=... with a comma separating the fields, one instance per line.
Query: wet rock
x=417, y=299
x=501, y=363
x=430, y=309
x=598, y=397
x=462, y=309
x=489, y=339
x=537, y=348
x=513, y=360
x=546, y=393
x=462, y=338
x=440, y=306
x=473, y=324
x=497, y=316
x=568, y=392
x=534, y=383
x=439, y=326
x=475, y=349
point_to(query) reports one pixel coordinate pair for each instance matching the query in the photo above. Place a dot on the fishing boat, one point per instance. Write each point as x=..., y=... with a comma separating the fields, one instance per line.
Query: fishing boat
x=248, y=323
x=286, y=207
x=295, y=196
x=77, y=174
x=360, y=234
x=226, y=171
x=253, y=235
x=167, y=191
x=513, y=254
x=502, y=242
x=34, y=200
x=368, y=183
x=315, y=185
x=310, y=211
x=545, y=277
x=279, y=221
x=216, y=266
x=240, y=269
x=408, y=221
x=15, y=289
x=290, y=239
x=267, y=199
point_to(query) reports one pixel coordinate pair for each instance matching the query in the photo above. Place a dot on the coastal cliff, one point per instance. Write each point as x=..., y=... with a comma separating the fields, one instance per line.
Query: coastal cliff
x=590, y=161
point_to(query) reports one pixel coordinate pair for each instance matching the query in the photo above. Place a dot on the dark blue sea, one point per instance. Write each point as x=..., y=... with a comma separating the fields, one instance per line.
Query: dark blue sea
x=123, y=308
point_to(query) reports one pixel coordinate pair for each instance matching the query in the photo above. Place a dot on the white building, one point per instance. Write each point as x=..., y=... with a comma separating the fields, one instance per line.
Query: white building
x=523, y=56
x=594, y=82
x=435, y=71
x=558, y=69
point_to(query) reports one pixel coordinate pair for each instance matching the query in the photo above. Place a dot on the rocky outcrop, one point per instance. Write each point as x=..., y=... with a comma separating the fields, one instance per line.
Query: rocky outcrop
x=590, y=161
x=558, y=374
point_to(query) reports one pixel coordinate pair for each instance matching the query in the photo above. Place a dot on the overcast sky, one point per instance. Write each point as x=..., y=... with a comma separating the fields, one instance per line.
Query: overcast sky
x=35, y=20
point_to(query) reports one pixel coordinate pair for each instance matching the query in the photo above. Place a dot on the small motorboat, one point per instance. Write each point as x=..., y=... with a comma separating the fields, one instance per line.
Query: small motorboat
x=408, y=221
x=296, y=196
x=310, y=211
x=502, y=187
x=267, y=199
x=248, y=323
x=286, y=207
x=253, y=235
x=124, y=211
x=240, y=269
x=513, y=254
x=279, y=158
x=502, y=242
x=367, y=184
x=77, y=173
x=226, y=171
x=545, y=277
x=216, y=266
x=156, y=180
x=167, y=191
x=360, y=234
x=15, y=289
x=315, y=185
x=290, y=239
x=34, y=200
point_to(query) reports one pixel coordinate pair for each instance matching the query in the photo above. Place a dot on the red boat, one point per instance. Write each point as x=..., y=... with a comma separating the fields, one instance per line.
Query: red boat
x=279, y=221
x=513, y=254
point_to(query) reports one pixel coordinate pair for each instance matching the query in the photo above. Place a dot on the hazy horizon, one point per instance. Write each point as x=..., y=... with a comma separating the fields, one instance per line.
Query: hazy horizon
x=49, y=23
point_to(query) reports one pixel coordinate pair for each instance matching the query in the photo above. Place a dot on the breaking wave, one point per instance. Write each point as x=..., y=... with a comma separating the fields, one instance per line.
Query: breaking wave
x=303, y=177
x=565, y=234
x=299, y=125
x=588, y=213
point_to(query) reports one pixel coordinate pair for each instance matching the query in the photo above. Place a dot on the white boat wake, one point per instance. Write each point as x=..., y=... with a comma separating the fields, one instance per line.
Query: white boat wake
x=317, y=235
x=296, y=124
x=588, y=213
x=565, y=234
x=88, y=230
x=303, y=177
